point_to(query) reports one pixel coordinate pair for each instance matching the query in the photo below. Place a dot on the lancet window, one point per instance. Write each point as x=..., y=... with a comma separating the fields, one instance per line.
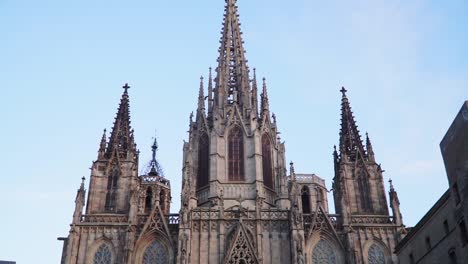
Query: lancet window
x=148, y=200
x=376, y=255
x=111, y=189
x=305, y=198
x=364, y=192
x=266, y=161
x=236, y=154
x=324, y=253
x=156, y=253
x=162, y=201
x=103, y=255
x=203, y=160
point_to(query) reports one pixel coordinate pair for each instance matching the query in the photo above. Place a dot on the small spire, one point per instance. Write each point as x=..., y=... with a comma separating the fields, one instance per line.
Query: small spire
x=201, y=96
x=102, y=145
x=210, y=93
x=369, y=148
x=154, y=163
x=292, y=171
x=264, y=95
x=391, y=185
x=255, y=93
x=82, y=183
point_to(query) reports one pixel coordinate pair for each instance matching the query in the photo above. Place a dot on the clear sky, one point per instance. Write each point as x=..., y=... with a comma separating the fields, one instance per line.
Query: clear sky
x=62, y=65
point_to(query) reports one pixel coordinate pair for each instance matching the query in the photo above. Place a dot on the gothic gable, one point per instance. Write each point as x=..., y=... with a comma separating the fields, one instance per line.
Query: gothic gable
x=241, y=250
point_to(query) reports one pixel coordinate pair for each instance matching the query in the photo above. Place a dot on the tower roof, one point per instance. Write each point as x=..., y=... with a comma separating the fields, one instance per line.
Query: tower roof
x=121, y=138
x=232, y=72
x=350, y=139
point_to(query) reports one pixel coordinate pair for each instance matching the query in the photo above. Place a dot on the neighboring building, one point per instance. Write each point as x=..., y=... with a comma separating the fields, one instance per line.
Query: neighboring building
x=7, y=262
x=238, y=204
x=441, y=236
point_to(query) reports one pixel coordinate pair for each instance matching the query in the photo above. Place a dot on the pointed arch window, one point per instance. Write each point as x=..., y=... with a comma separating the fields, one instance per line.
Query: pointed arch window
x=103, y=255
x=203, y=160
x=156, y=253
x=305, y=198
x=324, y=253
x=236, y=154
x=364, y=192
x=162, y=201
x=266, y=161
x=148, y=200
x=376, y=255
x=111, y=189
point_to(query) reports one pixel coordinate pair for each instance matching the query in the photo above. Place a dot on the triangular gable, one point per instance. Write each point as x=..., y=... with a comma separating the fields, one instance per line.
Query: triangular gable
x=241, y=249
x=156, y=222
x=321, y=223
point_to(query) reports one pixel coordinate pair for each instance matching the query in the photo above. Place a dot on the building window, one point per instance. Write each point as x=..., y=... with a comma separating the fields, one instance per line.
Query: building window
x=453, y=256
x=148, y=200
x=324, y=253
x=236, y=154
x=463, y=233
x=428, y=243
x=446, y=227
x=162, y=201
x=111, y=189
x=266, y=161
x=456, y=194
x=156, y=253
x=305, y=198
x=203, y=160
x=411, y=258
x=364, y=192
x=376, y=255
x=103, y=255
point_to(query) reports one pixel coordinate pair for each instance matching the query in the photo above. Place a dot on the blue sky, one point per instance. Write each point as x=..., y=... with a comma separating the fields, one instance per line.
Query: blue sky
x=63, y=63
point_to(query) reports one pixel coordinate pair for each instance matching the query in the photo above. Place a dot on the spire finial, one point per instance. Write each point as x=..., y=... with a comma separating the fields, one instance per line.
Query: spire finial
x=82, y=183
x=154, y=162
x=391, y=185
x=126, y=87
x=343, y=91
x=292, y=171
x=264, y=95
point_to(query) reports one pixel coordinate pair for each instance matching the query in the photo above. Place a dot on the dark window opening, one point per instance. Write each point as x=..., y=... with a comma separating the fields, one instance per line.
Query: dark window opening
x=463, y=233
x=162, y=201
x=428, y=243
x=364, y=192
x=236, y=154
x=266, y=162
x=305, y=198
x=446, y=227
x=453, y=257
x=411, y=258
x=203, y=161
x=456, y=193
x=148, y=200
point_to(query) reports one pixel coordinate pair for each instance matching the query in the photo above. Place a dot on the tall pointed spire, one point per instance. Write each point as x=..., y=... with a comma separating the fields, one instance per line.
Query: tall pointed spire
x=265, y=105
x=154, y=171
x=232, y=81
x=350, y=139
x=121, y=138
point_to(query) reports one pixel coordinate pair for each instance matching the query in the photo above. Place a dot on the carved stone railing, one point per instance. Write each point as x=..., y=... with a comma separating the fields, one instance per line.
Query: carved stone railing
x=173, y=219
x=371, y=219
x=270, y=196
x=308, y=218
x=202, y=195
x=308, y=178
x=104, y=219
x=155, y=179
x=234, y=190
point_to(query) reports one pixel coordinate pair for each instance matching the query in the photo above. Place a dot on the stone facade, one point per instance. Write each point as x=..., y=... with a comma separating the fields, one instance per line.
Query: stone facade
x=441, y=235
x=238, y=203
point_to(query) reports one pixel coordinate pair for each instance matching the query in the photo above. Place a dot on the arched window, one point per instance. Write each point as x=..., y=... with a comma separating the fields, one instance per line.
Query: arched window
x=162, y=201
x=236, y=154
x=111, y=189
x=376, y=255
x=305, y=198
x=148, y=200
x=103, y=255
x=156, y=253
x=266, y=161
x=324, y=253
x=203, y=161
x=364, y=192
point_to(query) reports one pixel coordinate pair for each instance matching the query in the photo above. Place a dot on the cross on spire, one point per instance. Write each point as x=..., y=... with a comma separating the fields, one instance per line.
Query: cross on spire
x=126, y=87
x=343, y=91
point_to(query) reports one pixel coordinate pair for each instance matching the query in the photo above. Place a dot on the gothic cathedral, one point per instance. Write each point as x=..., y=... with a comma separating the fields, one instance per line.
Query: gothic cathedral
x=239, y=205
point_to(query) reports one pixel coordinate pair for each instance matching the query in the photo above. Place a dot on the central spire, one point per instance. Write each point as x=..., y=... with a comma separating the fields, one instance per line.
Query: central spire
x=350, y=139
x=232, y=82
